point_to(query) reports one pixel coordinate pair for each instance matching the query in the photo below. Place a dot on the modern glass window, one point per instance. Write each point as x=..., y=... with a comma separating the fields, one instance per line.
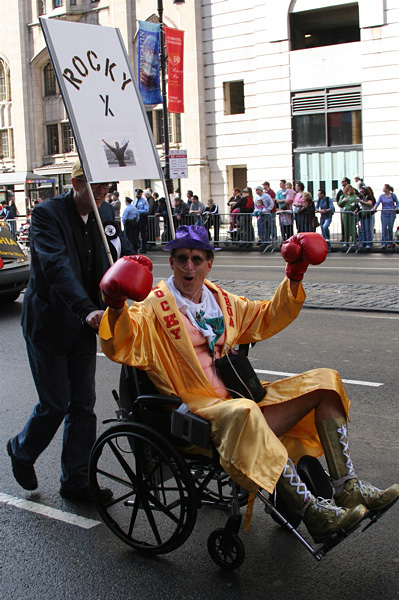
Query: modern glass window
x=50, y=86
x=53, y=145
x=234, y=99
x=309, y=131
x=344, y=128
x=325, y=27
x=68, y=142
x=327, y=118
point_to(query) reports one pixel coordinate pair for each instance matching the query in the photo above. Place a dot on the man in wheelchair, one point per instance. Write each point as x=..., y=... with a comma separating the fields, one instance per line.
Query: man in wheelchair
x=179, y=332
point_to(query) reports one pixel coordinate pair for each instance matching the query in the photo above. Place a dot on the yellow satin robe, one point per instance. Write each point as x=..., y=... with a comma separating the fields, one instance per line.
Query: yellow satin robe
x=151, y=335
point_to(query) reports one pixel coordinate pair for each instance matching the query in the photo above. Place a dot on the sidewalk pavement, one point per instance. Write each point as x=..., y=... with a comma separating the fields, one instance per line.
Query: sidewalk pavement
x=337, y=296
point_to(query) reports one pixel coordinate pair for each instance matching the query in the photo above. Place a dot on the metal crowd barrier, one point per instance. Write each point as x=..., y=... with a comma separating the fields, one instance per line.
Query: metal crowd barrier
x=345, y=231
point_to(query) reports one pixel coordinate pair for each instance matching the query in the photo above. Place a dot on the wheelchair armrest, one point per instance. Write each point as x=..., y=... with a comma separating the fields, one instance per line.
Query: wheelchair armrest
x=191, y=428
x=158, y=399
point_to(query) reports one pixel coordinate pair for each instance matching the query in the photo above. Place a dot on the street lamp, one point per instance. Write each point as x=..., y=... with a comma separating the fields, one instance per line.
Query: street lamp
x=169, y=182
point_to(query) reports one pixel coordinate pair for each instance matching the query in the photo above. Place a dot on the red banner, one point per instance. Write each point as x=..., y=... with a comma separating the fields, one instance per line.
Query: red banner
x=174, y=39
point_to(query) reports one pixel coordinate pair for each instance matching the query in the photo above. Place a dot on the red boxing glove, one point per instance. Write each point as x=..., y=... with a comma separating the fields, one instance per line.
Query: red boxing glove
x=302, y=250
x=130, y=277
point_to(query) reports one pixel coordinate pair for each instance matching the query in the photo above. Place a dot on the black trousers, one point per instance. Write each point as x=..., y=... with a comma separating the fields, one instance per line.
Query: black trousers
x=132, y=229
x=143, y=229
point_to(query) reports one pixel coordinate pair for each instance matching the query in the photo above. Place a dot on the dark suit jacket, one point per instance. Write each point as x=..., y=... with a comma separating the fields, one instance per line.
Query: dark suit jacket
x=56, y=302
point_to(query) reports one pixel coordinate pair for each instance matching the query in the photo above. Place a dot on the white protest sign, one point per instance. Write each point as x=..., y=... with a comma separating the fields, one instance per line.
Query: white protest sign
x=178, y=164
x=104, y=107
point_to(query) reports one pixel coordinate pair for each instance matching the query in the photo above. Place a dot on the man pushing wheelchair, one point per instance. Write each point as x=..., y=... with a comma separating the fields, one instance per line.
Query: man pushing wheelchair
x=179, y=332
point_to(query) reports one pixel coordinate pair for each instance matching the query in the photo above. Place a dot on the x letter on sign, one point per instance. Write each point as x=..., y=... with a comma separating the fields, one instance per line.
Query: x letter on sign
x=107, y=108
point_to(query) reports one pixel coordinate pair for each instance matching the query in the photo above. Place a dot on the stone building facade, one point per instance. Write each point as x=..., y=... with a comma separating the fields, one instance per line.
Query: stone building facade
x=295, y=89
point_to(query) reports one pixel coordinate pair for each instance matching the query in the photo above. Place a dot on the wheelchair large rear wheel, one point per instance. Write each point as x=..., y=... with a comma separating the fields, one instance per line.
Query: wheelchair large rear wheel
x=154, y=504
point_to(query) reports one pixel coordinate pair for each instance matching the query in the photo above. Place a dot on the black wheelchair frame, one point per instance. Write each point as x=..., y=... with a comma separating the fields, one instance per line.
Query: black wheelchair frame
x=162, y=467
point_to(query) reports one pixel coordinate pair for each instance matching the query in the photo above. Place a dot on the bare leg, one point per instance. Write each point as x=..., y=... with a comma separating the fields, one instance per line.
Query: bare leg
x=281, y=417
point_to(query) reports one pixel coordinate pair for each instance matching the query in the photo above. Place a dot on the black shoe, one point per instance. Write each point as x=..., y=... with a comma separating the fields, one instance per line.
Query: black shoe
x=24, y=472
x=85, y=495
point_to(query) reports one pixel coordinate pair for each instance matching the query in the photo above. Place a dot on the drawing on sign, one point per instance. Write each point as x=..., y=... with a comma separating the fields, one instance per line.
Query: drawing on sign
x=119, y=155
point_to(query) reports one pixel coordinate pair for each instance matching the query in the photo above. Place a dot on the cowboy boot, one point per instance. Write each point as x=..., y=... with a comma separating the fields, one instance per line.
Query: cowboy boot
x=321, y=517
x=349, y=490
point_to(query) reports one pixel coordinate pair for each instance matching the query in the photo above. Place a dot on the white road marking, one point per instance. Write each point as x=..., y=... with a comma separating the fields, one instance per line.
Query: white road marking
x=352, y=381
x=282, y=374
x=47, y=511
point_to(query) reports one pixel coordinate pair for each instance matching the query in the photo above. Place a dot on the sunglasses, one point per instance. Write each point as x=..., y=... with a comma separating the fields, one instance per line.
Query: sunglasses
x=182, y=259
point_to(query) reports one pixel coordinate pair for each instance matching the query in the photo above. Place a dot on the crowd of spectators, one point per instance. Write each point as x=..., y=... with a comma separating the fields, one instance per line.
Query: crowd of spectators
x=297, y=211
x=267, y=213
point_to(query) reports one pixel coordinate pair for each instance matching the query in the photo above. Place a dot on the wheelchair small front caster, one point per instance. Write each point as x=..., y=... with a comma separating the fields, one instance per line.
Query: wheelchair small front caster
x=226, y=549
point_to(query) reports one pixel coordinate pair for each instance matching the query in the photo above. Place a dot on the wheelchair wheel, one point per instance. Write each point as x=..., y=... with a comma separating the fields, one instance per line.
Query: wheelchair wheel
x=154, y=506
x=226, y=549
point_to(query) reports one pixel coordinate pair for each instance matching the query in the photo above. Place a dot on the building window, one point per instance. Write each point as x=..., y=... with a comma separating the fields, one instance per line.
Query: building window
x=53, y=145
x=325, y=27
x=234, y=100
x=174, y=127
x=68, y=142
x=50, y=86
x=41, y=7
x=4, y=144
x=58, y=3
x=72, y=3
x=327, y=118
x=149, y=117
x=158, y=134
x=178, y=138
x=5, y=83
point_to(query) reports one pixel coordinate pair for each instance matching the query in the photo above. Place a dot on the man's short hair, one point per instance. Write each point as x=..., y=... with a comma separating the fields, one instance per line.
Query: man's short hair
x=283, y=181
x=190, y=192
x=266, y=183
x=195, y=198
x=322, y=191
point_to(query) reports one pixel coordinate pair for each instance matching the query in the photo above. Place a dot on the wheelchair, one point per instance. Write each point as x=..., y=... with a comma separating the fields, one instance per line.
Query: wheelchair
x=160, y=463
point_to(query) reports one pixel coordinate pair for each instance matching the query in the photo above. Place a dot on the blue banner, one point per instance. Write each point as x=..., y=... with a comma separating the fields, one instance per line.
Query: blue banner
x=149, y=62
